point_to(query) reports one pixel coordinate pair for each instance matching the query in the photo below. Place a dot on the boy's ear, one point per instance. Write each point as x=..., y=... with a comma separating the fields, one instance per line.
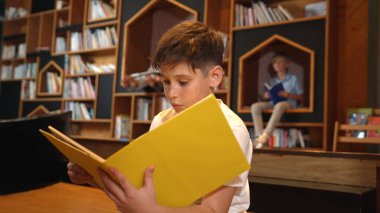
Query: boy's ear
x=216, y=75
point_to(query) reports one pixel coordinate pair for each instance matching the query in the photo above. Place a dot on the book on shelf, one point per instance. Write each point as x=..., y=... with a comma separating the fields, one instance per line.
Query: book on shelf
x=122, y=126
x=101, y=9
x=15, y=12
x=6, y=72
x=60, y=44
x=315, y=9
x=144, y=107
x=274, y=92
x=259, y=13
x=287, y=138
x=187, y=167
x=358, y=116
x=373, y=120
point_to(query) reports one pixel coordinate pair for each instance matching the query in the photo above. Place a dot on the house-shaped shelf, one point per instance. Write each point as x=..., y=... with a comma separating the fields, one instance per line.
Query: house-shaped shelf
x=144, y=29
x=50, y=80
x=254, y=69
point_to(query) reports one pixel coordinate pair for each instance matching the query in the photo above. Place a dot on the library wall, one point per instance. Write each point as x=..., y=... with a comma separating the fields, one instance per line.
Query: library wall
x=352, y=58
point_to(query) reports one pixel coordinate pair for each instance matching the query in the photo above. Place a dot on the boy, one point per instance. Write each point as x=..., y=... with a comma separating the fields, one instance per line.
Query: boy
x=189, y=57
x=293, y=92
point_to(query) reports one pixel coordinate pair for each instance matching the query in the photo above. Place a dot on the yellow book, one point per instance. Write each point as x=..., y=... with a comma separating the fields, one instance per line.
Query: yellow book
x=193, y=153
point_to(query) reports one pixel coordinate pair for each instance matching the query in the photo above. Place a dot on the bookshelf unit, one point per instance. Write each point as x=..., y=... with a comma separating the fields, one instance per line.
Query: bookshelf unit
x=50, y=80
x=255, y=44
x=138, y=26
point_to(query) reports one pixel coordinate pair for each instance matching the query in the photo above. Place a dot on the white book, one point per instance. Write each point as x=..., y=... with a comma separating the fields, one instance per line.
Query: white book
x=264, y=10
x=285, y=12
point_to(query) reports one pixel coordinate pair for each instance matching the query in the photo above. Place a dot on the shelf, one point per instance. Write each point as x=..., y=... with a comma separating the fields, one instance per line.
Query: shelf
x=143, y=30
x=79, y=99
x=297, y=20
x=50, y=80
x=98, y=51
x=92, y=121
x=293, y=124
x=142, y=122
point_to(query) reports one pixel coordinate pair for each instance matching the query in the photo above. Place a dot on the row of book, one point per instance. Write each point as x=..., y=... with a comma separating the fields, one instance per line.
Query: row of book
x=123, y=121
x=59, y=4
x=122, y=126
x=144, y=109
x=80, y=111
x=13, y=51
x=225, y=39
x=53, y=82
x=79, y=88
x=101, y=9
x=28, y=89
x=27, y=70
x=15, y=12
x=286, y=138
x=79, y=66
x=362, y=116
x=6, y=72
x=259, y=13
x=60, y=44
x=93, y=39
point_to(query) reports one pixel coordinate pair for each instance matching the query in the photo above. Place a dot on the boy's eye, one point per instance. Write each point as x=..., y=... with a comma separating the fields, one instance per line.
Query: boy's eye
x=183, y=83
x=166, y=82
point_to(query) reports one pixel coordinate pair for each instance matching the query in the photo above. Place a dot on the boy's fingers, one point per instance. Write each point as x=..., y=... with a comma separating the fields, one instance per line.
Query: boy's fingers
x=111, y=188
x=123, y=181
x=148, y=178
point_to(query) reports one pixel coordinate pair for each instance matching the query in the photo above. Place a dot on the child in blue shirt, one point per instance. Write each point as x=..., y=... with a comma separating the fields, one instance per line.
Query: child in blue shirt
x=292, y=92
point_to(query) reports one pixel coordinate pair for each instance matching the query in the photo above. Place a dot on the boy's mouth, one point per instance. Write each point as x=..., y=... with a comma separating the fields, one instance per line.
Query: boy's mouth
x=176, y=107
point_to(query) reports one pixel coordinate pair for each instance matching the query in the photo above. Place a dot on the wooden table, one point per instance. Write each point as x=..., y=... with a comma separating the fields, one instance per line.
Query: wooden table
x=59, y=197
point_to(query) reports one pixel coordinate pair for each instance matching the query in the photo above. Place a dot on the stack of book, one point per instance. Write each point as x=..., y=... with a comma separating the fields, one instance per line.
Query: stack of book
x=15, y=12
x=79, y=88
x=259, y=13
x=101, y=10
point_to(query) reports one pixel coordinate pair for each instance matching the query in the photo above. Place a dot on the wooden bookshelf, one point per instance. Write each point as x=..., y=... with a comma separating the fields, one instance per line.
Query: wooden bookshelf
x=254, y=42
x=136, y=25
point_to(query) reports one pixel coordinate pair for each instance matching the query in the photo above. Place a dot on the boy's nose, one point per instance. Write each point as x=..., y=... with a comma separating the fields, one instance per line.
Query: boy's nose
x=172, y=93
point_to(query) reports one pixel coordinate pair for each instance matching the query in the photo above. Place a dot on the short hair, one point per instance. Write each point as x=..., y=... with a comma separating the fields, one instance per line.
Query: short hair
x=278, y=56
x=194, y=43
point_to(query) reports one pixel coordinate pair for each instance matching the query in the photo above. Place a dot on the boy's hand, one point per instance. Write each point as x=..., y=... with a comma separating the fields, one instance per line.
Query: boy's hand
x=78, y=175
x=266, y=95
x=126, y=197
x=283, y=94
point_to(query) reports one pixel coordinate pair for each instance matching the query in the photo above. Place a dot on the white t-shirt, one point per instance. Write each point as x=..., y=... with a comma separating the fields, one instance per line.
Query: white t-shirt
x=241, y=199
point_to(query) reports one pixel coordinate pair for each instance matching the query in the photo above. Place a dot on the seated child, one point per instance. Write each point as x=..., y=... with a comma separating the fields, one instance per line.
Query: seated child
x=292, y=92
x=189, y=57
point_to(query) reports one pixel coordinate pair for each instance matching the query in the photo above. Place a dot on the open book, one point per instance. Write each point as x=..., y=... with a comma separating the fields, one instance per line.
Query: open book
x=273, y=91
x=193, y=153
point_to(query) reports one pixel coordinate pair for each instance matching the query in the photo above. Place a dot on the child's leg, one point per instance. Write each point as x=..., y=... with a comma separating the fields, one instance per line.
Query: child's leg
x=278, y=111
x=256, y=112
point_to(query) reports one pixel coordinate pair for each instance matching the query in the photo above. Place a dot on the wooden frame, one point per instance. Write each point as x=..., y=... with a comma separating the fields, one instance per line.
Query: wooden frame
x=139, y=42
x=41, y=81
x=353, y=140
x=248, y=61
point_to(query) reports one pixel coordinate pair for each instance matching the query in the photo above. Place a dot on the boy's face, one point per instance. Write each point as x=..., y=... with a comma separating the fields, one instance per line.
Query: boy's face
x=280, y=65
x=183, y=87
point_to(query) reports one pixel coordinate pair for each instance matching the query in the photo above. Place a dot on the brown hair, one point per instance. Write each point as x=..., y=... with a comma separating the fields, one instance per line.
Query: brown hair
x=277, y=56
x=191, y=42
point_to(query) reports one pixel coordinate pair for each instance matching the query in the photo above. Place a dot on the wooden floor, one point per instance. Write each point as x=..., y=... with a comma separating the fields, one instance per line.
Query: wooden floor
x=57, y=198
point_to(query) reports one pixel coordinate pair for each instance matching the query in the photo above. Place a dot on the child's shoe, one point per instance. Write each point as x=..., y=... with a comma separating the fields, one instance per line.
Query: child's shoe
x=261, y=140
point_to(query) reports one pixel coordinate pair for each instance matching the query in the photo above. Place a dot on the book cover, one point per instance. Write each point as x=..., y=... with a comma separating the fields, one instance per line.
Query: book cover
x=273, y=91
x=358, y=116
x=373, y=120
x=193, y=153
